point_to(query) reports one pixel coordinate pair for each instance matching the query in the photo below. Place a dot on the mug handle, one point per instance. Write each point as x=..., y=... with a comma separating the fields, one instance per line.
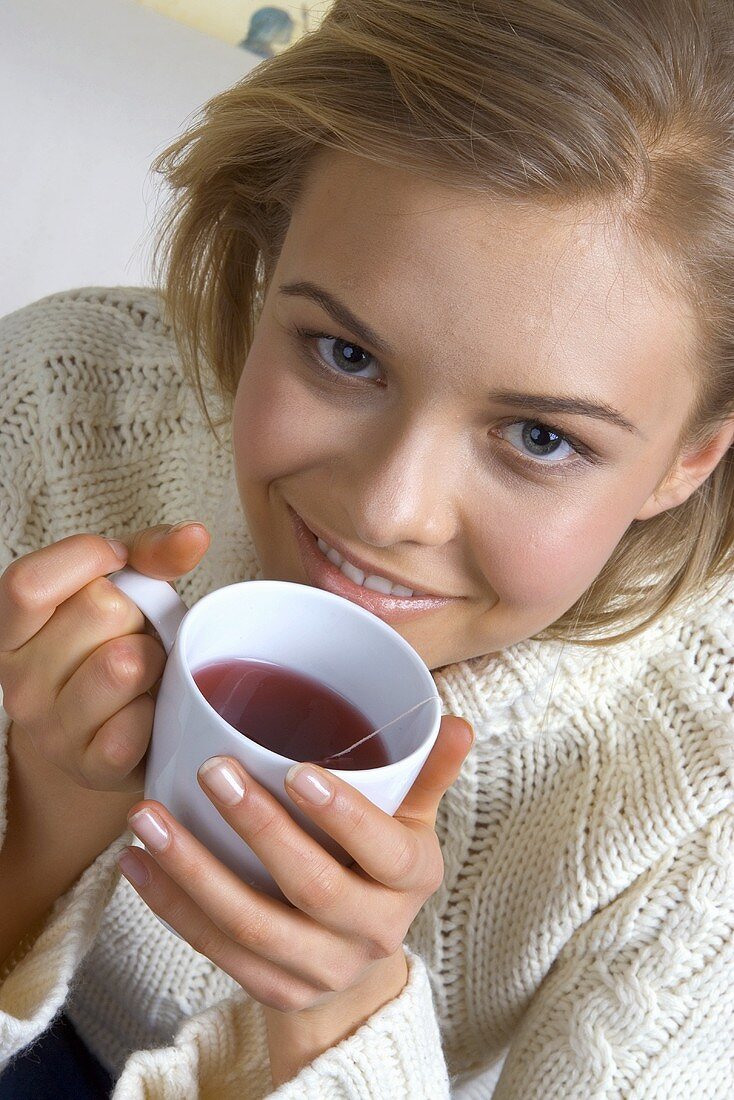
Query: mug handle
x=158, y=601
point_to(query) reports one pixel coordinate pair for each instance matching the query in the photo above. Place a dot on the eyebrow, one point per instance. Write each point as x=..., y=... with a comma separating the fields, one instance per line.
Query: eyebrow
x=341, y=313
x=574, y=405
x=537, y=402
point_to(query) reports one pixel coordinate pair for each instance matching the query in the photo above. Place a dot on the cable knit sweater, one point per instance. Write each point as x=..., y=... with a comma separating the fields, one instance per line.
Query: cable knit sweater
x=581, y=944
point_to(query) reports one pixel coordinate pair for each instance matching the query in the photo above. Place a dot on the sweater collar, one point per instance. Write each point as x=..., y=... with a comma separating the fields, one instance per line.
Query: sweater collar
x=510, y=691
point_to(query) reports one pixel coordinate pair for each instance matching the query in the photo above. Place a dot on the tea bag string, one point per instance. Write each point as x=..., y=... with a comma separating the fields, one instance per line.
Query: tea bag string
x=349, y=748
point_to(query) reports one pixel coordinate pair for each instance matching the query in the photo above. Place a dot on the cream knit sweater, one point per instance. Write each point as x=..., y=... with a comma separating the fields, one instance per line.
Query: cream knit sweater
x=581, y=944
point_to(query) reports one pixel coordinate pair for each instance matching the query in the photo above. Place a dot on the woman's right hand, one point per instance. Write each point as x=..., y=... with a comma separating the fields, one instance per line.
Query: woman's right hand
x=77, y=657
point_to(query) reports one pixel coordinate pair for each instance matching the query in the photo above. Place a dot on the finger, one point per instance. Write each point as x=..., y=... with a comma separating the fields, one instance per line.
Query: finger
x=36, y=673
x=266, y=926
x=98, y=614
x=440, y=770
x=264, y=980
x=36, y=584
x=309, y=876
x=104, y=712
x=168, y=552
x=115, y=758
x=402, y=855
x=387, y=852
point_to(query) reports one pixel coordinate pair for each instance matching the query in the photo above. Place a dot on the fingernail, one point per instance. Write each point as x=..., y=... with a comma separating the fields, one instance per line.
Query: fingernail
x=220, y=776
x=310, y=784
x=472, y=731
x=133, y=868
x=119, y=548
x=184, y=523
x=151, y=830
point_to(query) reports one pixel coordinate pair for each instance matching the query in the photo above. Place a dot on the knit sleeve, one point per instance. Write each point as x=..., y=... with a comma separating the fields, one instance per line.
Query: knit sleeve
x=640, y=1004
x=35, y=978
x=397, y=1052
x=222, y=1052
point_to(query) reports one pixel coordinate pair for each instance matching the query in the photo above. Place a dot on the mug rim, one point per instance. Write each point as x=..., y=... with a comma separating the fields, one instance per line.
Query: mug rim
x=307, y=592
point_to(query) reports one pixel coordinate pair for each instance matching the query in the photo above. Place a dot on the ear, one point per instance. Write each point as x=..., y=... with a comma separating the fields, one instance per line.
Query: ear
x=690, y=470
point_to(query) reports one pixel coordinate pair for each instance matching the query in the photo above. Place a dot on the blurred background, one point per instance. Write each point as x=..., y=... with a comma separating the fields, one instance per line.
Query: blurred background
x=263, y=28
x=92, y=91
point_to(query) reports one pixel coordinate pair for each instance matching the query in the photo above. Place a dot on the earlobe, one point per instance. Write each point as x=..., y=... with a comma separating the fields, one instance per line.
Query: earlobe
x=674, y=490
x=690, y=470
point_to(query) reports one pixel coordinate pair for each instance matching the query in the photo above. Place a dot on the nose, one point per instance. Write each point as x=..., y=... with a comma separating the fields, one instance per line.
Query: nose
x=400, y=487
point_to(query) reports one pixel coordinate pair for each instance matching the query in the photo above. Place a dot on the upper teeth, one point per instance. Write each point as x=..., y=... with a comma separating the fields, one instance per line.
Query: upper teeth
x=378, y=584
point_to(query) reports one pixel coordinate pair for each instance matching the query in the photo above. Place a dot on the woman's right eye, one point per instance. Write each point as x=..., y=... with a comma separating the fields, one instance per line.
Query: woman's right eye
x=338, y=356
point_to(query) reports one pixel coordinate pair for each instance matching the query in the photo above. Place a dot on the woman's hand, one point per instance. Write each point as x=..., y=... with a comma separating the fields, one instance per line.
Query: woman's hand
x=77, y=665
x=325, y=963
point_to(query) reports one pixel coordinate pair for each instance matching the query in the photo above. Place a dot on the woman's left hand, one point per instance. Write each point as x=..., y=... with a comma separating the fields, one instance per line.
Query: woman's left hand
x=343, y=923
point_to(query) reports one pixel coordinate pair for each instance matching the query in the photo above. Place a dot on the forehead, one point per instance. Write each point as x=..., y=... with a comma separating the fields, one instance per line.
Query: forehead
x=525, y=289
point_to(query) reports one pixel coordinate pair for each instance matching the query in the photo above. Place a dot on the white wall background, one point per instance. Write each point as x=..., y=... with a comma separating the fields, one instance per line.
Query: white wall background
x=91, y=90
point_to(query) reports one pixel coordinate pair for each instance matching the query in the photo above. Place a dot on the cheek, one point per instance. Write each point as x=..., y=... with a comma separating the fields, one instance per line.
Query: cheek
x=273, y=433
x=547, y=557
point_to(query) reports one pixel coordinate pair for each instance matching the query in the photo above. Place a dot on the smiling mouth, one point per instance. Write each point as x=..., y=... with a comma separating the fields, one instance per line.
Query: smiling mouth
x=329, y=569
x=374, y=581
x=362, y=574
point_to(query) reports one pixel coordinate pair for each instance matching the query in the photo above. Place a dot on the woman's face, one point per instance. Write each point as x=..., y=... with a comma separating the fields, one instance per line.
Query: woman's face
x=514, y=406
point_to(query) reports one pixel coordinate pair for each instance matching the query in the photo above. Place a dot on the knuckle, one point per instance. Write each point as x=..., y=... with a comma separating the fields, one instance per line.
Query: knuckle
x=358, y=818
x=404, y=857
x=98, y=759
x=95, y=551
x=319, y=887
x=194, y=872
x=342, y=978
x=21, y=584
x=103, y=763
x=120, y=666
x=435, y=875
x=207, y=940
x=268, y=822
x=105, y=602
x=204, y=938
x=382, y=945
x=435, y=868
x=250, y=928
x=119, y=752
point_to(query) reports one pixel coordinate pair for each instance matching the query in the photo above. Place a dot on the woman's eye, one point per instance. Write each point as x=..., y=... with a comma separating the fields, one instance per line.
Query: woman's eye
x=539, y=442
x=342, y=356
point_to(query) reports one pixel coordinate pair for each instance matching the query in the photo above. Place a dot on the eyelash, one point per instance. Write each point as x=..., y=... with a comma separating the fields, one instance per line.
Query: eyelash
x=331, y=372
x=585, y=455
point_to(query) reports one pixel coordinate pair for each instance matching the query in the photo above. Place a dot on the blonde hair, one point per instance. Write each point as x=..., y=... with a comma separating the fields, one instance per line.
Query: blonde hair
x=624, y=103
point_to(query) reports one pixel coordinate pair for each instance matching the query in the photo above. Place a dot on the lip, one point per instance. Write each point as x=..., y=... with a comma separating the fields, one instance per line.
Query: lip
x=324, y=574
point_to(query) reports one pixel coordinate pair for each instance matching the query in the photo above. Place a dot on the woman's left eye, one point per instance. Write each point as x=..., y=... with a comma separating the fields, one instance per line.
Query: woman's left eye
x=540, y=443
x=338, y=355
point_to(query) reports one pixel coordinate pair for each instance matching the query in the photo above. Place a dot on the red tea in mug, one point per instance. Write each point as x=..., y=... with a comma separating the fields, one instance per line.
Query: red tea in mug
x=289, y=713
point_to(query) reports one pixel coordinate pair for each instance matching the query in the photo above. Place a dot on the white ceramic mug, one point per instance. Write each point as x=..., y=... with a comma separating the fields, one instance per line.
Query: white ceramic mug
x=310, y=631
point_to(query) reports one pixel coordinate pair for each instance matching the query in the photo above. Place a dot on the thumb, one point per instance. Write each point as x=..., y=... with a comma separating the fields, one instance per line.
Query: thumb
x=167, y=552
x=442, y=766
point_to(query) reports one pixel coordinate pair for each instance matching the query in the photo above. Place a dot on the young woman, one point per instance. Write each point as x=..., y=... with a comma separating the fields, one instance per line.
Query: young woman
x=456, y=278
